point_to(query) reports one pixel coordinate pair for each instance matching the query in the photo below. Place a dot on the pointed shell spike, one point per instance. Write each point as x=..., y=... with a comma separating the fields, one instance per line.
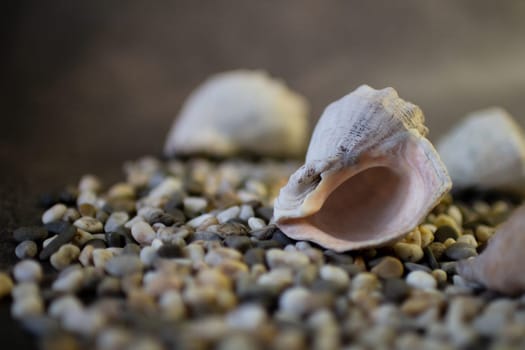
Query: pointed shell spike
x=485, y=150
x=370, y=174
x=241, y=112
x=500, y=266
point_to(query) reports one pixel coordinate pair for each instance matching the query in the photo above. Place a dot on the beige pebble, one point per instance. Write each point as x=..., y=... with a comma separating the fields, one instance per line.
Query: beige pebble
x=427, y=235
x=86, y=197
x=449, y=241
x=89, y=182
x=421, y=280
x=408, y=252
x=89, y=224
x=29, y=306
x=388, y=267
x=335, y=274
x=440, y=276
x=62, y=305
x=54, y=213
x=468, y=239
x=143, y=233
x=200, y=220
x=454, y=212
x=121, y=190
x=172, y=305
x=481, y=207
x=81, y=237
x=216, y=256
x=446, y=220
x=279, y=277
x=484, y=233
x=413, y=237
x=437, y=249
x=86, y=255
x=213, y=277
x=62, y=258
x=365, y=281
x=280, y=258
x=71, y=215
x=101, y=256
x=195, y=204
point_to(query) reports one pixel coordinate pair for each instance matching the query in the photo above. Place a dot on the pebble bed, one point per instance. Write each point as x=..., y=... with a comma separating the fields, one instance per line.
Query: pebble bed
x=183, y=255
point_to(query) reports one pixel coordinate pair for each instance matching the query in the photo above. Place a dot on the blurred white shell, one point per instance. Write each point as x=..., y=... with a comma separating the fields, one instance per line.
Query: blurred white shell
x=500, y=266
x=370, y=174
x=485, y=150
x=241, y=112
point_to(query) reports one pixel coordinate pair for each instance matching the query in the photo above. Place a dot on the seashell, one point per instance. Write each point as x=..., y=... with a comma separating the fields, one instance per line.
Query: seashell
x=486, y=150
x=500, y=266
x=241, y=112
x=370, y=174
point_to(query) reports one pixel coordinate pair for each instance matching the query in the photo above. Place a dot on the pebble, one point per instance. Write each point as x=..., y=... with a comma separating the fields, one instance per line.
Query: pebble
x=26, y=250
x=254, y=256
x=148, y=255
x=172, y=305
x=279, y=278
x=170, y=251
x=445, y=232
x=195, y=204
x=264, y=233
x=421, y=280
x=101, y=257
x=246, y=212
x=295, y=301
x=241, y=243
x=89, y=182
x=217, y=256
x=468, y=239
x=69, y=282
x=336, y=275
x=395, y=289
x=388, y=267
x=256, y=223
x=279, y=258
x=228, y=214
x=28, y=271
x=96, y=243
x=54, y=213
x=427, y=235
x=64, y=256
x=459, y=251
x=115, y=220
x=143, y=233
x=30, y=233
x=6, y=285
x=484, y=233
x=31, y=305
x=417, y=267
x=408, y=252
x=200, y=220
x=122, y=265
x=248, y=317
x=65, y=236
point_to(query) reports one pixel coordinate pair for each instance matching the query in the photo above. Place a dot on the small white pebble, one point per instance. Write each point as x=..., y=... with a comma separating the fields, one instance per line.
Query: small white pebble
x=172, y=305
x=62, y=305
x=89, y=224
x=28, y=271
x=54, y=213
x=133, y=221
x=228, y=214
x=143, y=233
x=89, y=182
x=421, y=280
x=295, y=301
x=70, y=282
x=279, y=278
x=157, y=243
x=83, y=321
x=24, y=290
x=195, y=204
x=468, y=239
x=280, y=258
x=26, y=249
x=335, y=274
x=116, y=220
x=256, y=223
x=199, y=220
x=64, y=256
x=148, y=255
x=216, y=256
x=101, y=257
x=249, y=317
x=168, y=187
x=246, y=212
x=87, y=197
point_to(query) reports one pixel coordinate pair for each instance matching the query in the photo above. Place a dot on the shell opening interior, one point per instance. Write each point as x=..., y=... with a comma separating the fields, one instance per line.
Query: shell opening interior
x=365, y=205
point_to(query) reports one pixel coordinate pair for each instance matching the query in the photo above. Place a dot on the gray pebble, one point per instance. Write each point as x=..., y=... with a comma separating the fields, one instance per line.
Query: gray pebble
x=115, y=220
x=417, y=267
x=30, y=233
x=26, y=249
x=124, y=265
x=27, y=271
x=96, y=243
x=54, y=213
x=60, y=239
x=459, y=251
x=296, y=301
x=241, y=243
x=395, y=289
x=204, y=236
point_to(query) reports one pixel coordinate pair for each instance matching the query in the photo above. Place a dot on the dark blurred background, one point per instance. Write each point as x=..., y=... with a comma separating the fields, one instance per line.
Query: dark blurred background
x=86, y=85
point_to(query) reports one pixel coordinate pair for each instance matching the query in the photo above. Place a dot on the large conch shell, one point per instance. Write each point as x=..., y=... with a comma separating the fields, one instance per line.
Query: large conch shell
x=486, y=150
x=500, y=266
x=241, y=112
x=370, y=174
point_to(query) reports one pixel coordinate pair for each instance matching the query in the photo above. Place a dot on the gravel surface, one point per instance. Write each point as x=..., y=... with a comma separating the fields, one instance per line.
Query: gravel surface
x=183, y=254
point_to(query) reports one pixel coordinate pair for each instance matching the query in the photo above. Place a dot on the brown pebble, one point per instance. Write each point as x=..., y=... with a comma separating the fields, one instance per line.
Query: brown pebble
x=388, y=267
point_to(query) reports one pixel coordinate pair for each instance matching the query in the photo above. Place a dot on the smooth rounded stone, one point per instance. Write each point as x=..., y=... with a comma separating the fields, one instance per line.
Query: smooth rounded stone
x=172, y=305
x=366, y=281
x=290, y=339
x=148, y=255
x=421, y=279
x=468, y=239
x=89, y=182
x=24, y=290
x=131, y=248
x=228, y=214
x=459, y=251
x=417, y=267
x=124, y=265
x=62, y=238
x=449, y=242
x=70, y=282
x=101, y=257
x=218, y=255
x=204, y=236
x=335, y=274
x=232, y=228
x=437, y=249
x=408, y=252
x=150, y=214
x=280, y=237
x=264, y=233
x=54, y=213
x=483, y=233
x=115, y=220
x=30, y=233
x=395, y=289
x=143, y=233
x=114, y=338
x=246, y=212
x=133, y=221
x=115, y=239
x=427, y=235
x=96, y=243
x=440, y=276
x=388, y=267
x=254, y=256
x=83, y=321
x=279, y=258
x=279, y=278
x=256, y=223
x=265, y=213
x=201, y=219
x=64, y=256
x=87, y=209
x=81, y=237
x=240, y=243
x=6, y=285
x=195, y=204
x=170, y=251
x=449, y=267
x=31, y=305
x=28, y=271
x=295, y=301
x=445, y=232
x=249, y=317
x=26, y=250
x=337, y=258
